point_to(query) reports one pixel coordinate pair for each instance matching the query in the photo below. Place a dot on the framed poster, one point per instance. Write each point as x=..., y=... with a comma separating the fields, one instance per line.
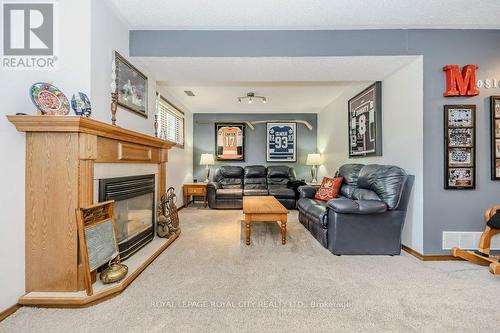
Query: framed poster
x=230, y=141
x=460, y=147
x=365, y=122
x=281, y=142
x=131, y=86
x=495, y=137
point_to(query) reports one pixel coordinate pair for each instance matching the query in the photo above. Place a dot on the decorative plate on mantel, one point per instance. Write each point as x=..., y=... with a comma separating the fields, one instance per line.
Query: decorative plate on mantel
x=49, y=99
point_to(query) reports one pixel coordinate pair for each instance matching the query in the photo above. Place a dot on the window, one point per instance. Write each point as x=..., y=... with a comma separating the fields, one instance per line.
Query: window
x=170, y=122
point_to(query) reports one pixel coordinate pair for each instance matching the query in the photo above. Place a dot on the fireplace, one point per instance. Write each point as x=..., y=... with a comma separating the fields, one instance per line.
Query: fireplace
x=133, y=210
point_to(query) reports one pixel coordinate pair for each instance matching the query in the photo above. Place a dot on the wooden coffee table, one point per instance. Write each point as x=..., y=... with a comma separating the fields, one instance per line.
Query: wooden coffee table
x=263, y=209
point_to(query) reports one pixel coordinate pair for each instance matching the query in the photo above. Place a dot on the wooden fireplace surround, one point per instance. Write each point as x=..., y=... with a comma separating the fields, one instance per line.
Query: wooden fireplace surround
x=60, y=155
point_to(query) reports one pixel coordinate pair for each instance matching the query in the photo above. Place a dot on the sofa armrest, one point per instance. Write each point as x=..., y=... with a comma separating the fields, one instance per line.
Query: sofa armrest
x=213, y=186
x=360, y=207
x=307, y=191
x=212, y=194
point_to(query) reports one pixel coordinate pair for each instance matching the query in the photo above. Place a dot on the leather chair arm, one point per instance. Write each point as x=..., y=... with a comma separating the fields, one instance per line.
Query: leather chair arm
x=307, y=191
x=360, y=207
x=212, y=194
x=213, y=186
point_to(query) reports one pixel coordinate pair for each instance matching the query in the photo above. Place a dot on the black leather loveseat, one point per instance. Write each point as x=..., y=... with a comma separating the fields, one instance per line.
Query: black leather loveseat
x=231, y=183
x=369, y=214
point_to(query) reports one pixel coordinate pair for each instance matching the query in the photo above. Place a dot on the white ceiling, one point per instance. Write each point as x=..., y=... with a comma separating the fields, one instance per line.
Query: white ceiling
x=282, y=97
x=308, y=14
x=274, y=68
x=291, y=85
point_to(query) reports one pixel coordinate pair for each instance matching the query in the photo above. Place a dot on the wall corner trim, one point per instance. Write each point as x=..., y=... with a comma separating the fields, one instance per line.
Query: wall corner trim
x=439, y=257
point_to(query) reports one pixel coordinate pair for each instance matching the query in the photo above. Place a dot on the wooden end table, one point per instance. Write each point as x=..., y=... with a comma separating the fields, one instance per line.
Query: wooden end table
x=262, y=209
x=195, y=190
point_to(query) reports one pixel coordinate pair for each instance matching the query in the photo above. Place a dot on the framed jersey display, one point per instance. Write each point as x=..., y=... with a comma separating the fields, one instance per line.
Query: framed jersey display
x=365, y=122
x=230, y=142
x=281, y=142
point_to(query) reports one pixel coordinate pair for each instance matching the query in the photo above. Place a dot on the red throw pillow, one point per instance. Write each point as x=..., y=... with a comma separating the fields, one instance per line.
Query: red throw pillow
x=329, y=188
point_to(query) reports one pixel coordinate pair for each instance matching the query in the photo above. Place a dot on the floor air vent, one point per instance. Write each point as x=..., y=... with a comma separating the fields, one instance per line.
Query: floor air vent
x=466, y=240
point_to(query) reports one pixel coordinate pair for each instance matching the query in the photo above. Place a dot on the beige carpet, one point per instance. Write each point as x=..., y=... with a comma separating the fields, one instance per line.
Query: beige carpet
x=210, y=281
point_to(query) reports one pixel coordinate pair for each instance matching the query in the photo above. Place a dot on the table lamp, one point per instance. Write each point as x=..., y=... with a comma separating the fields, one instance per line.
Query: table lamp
x=314, y=160
x=207, y=160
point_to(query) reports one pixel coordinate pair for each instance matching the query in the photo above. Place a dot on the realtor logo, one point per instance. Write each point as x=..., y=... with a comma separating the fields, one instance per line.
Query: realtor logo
x=28, y=36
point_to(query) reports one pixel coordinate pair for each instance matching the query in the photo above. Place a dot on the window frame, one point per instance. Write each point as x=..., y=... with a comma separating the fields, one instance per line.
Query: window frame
x=178, y=145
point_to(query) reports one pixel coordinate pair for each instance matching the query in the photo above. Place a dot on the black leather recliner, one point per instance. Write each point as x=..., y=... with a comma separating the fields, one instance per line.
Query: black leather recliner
x=255, y=181
x=226, y=189
x=368, y=216
x=278, y=177
x=231, y=183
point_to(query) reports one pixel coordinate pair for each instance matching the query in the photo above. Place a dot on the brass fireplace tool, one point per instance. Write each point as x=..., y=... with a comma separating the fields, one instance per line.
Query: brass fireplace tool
x=168, y=217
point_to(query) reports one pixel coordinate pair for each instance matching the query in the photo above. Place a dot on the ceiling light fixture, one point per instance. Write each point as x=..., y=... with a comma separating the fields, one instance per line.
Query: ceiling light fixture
x=251, y=96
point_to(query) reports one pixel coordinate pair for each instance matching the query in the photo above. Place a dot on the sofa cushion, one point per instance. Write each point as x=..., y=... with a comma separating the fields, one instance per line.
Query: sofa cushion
x=282, y=193
x=229, y=193
x=350, y=173
x=348, y=206
x=255, y=177
x=362, y=194
x=305, y=203
x=279, y=171
x=385, y=180
x=279, y=176
x=329, y=188
x=253, y=191
x=229, y=183
x=347, y=190
x=318, y=214
x=255, y=171
x=229, y=176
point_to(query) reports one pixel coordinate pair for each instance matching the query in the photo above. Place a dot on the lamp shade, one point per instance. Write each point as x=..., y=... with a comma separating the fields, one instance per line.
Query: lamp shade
x=313, y=159
x=207, y=159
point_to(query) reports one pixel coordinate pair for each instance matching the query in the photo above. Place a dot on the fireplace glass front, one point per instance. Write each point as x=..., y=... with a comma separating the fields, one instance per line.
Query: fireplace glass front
x=133, y=210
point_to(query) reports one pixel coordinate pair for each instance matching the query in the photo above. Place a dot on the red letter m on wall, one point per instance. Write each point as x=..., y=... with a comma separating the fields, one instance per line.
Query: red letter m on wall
x=460, y=84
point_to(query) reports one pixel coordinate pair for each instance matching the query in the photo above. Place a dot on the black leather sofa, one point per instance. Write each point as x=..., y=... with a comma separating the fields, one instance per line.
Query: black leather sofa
x=369, y=214
x=231, y=183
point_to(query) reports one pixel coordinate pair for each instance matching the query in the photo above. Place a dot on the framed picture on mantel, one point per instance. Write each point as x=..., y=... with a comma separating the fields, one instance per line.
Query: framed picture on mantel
x=460, y=147
x=495, y=137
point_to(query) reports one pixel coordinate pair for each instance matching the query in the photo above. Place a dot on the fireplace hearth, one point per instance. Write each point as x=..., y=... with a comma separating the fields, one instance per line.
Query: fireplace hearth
x=133, y=210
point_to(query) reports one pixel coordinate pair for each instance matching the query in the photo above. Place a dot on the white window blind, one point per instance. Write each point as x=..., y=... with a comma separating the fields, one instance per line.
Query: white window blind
x=170, y=122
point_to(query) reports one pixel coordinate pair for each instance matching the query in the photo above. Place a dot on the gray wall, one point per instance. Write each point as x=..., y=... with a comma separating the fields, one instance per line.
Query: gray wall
x=255, y=141
x=443, y=210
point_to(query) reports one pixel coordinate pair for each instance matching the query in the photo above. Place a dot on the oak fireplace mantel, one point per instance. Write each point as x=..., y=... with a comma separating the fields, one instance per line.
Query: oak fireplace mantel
x=61, y=152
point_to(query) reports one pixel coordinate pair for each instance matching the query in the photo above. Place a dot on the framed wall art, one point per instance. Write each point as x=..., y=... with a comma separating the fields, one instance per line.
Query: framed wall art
x=131, y=86
x=230, y=141
x=495, y=137
x=281, y=142
x=460, y=147
x=365, y=122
